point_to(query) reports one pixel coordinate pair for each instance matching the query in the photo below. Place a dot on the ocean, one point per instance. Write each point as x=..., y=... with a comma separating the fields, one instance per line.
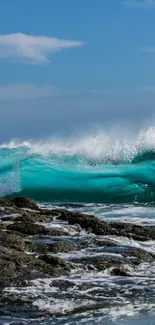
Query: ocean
x=111, y=176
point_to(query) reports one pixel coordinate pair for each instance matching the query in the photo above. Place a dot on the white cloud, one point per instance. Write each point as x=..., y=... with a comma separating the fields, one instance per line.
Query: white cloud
x=33, y=49
x=30, y=91
x=140, y=3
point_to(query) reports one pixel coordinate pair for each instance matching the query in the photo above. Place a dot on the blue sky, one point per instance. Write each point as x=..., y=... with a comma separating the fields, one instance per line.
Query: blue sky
x=67, y=64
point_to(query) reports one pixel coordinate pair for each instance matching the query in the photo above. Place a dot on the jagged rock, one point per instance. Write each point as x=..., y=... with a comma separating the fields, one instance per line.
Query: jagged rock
x=119, y=271
x=103, y=243
x=6, y=203
x=99, y=263
x=40, y=248
x=87, y=222
x=2, y=225
x=28, y=228
x=17, y=267
x=56, y=247
x=23, y=202
x=11, y=240
x=99, y=227
x=55, y=261
x=9, y=274
x=62, y=247
x=57, y=232
x=27, y=217
x=139, y=255
x=46, y=212
x=136, y=232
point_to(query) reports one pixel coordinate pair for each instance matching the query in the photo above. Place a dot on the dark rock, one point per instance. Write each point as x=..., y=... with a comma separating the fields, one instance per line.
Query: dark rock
x=139, y=255
x=28, y=228
x=62, y=247
x=9, y=274
x=12, y=240
x=56, y=247
x=26, y=217
x=2, y=225
x=55, y=261
x=46, y=212
x=23, y=202
x=17, y=267
x=13, y=255
x=119, y=272
x=103, y=243
x=40, y=248
x=100, y=263
x=6, y=203
x=136, y=232
x=53, y=232
x=99, y=227
x=90, y=223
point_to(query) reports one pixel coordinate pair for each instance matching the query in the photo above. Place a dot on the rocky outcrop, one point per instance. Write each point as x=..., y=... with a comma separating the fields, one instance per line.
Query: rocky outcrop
x=23, y=202
x=17, y=266
x=28, y=247
x=99, y=227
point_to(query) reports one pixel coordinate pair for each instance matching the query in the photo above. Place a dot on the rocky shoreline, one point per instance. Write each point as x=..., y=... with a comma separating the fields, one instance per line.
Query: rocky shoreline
x=29, y=249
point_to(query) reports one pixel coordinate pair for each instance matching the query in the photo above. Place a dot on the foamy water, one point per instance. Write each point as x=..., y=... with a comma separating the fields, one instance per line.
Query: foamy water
x=90, y=296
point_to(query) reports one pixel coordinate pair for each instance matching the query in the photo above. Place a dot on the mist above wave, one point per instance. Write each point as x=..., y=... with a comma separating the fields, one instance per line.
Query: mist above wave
x=100, y=167
x=115, y=145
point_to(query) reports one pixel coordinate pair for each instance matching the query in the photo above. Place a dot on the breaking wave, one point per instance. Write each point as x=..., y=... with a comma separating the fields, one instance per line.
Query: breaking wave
x=97, y=168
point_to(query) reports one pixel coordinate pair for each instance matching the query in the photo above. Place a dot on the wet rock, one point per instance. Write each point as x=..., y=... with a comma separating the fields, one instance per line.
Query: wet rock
x=62, y=247
x=53, y=232
x=20, y=259
x=99, y=227
x=46, y=212
x=136, y=232
x=40, y=248
x=6, y=203
x=27, y=217
x=12, y=240
x=16, y=267
x=90, y=223
x=139, y=255
x=99, y=263
x=9, y=274
x=28, y=228
x=103, y=243
x=2, y=225
x=55, y=261
x=120, y=271
x=56, y=247
x=23, y=202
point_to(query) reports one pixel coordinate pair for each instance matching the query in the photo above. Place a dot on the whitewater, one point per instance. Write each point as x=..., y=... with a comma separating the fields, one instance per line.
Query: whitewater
x=93, y=169
x=110, y=175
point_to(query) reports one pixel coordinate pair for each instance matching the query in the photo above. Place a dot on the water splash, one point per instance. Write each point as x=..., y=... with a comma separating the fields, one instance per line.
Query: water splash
x=101, y=167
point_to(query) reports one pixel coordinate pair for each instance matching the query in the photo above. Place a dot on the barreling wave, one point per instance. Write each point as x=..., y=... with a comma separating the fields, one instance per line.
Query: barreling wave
x=97, y=168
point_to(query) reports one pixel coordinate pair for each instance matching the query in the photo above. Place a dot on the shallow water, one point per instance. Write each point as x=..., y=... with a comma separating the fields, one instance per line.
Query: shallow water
x=89, y=296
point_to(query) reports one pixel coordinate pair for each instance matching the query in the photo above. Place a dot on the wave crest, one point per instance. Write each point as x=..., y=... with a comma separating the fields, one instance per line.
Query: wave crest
x=104, y=167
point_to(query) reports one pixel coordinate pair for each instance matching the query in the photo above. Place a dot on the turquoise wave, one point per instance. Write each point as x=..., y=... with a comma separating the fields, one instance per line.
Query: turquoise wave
x=67, y=175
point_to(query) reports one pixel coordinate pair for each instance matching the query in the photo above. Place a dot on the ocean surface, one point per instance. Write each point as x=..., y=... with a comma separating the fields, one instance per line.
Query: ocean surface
x=111, y=176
